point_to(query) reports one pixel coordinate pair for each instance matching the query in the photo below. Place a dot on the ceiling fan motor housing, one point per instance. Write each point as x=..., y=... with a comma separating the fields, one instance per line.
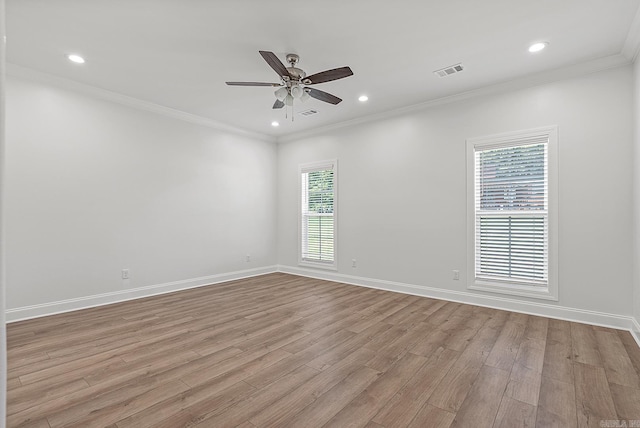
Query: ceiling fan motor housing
x=296, y=73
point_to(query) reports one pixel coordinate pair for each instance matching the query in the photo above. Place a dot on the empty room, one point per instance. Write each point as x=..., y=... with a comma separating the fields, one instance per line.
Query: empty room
x=349, y=214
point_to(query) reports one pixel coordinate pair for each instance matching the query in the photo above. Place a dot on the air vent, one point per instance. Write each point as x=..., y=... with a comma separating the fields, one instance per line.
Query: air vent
x=308, y=112
x=448, y=71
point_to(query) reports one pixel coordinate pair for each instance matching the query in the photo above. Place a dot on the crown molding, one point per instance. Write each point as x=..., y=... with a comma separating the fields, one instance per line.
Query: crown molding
x=575, y=70
x=19, y=71
x=593, y=66
x=631, y=46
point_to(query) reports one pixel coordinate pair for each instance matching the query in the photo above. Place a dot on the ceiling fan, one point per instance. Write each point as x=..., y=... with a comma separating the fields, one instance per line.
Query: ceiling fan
x=293, y=81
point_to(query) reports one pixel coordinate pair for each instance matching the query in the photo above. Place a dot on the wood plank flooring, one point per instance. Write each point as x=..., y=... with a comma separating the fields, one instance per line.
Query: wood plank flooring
x=285, y=351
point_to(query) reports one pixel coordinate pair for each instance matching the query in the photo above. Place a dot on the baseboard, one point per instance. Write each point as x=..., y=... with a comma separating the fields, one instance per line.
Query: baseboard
x=635, y=330
x=35, y=311
x=531, y=308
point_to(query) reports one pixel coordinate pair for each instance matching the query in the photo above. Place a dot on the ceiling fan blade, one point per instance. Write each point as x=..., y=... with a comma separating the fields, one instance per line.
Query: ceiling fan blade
x=253, y=84
x=328, y=75
x=278, y=104
x=275, y=63
x=323, y=96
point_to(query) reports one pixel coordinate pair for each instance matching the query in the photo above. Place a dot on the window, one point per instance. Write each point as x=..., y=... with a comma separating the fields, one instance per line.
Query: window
x=512, y=213
x=318, y=214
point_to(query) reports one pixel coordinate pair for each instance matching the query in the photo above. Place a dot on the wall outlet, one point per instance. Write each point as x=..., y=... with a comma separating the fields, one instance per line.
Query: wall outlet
x=456, y=275
x=125, y=273
x=247, y=258
x=353, y=263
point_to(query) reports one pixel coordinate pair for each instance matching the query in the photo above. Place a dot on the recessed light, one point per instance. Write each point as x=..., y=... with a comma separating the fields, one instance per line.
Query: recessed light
x=537, y=47
x=76, y=58
x=275, y=124
x=363, y=98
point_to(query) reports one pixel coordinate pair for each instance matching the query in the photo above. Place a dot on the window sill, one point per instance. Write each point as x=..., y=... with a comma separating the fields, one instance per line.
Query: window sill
x=324, y=266
x=544, y=293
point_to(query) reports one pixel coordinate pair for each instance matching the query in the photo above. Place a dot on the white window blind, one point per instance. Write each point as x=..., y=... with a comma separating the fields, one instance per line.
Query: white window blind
x=511, y=212
x=317, y=214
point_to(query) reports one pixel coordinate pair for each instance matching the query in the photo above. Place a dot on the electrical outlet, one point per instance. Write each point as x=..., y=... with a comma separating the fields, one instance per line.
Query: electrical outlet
x=247, y=258
x=353, y=263
x=125, y=273
x=456, y=275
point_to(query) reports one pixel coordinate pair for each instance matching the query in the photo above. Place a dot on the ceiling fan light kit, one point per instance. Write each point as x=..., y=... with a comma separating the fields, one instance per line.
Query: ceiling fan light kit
x=288, y=101
x=296, y=91
x=281, y=93
x=292, y=80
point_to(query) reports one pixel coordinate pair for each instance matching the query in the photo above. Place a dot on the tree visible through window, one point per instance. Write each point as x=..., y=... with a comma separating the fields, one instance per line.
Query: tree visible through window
x=317, y=214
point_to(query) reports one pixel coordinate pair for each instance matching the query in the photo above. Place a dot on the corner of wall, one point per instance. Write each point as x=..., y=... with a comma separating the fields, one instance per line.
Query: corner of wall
x=635, y=330
x=3, y=336
x=635, y=197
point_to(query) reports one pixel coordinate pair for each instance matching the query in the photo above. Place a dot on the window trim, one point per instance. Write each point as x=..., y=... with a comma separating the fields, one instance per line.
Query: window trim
x=333, y=163
x=550, y=292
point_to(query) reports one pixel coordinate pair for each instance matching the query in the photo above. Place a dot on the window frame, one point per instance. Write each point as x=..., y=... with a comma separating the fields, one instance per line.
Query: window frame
x=330, y=163
x=550, y=292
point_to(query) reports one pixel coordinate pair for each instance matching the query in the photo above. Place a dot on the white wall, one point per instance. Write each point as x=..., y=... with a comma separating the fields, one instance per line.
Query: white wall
x=94, y=187
x=636, y=197
x=402, y=187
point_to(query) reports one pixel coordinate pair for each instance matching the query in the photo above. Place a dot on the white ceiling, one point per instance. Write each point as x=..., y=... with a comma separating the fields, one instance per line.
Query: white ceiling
x=178, y=54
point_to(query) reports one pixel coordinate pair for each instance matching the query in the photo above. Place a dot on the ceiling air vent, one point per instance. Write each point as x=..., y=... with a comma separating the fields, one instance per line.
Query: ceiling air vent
x=447, y=71
x=308, y=112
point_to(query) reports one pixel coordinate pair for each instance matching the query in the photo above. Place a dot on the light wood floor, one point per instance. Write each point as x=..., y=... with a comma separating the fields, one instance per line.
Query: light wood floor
x=281, y=350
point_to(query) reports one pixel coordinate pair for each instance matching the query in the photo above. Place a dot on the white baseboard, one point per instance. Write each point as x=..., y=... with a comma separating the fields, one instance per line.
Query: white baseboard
x=35, y=311
x=531, y=308
x=635, y=330
x=495, y=302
